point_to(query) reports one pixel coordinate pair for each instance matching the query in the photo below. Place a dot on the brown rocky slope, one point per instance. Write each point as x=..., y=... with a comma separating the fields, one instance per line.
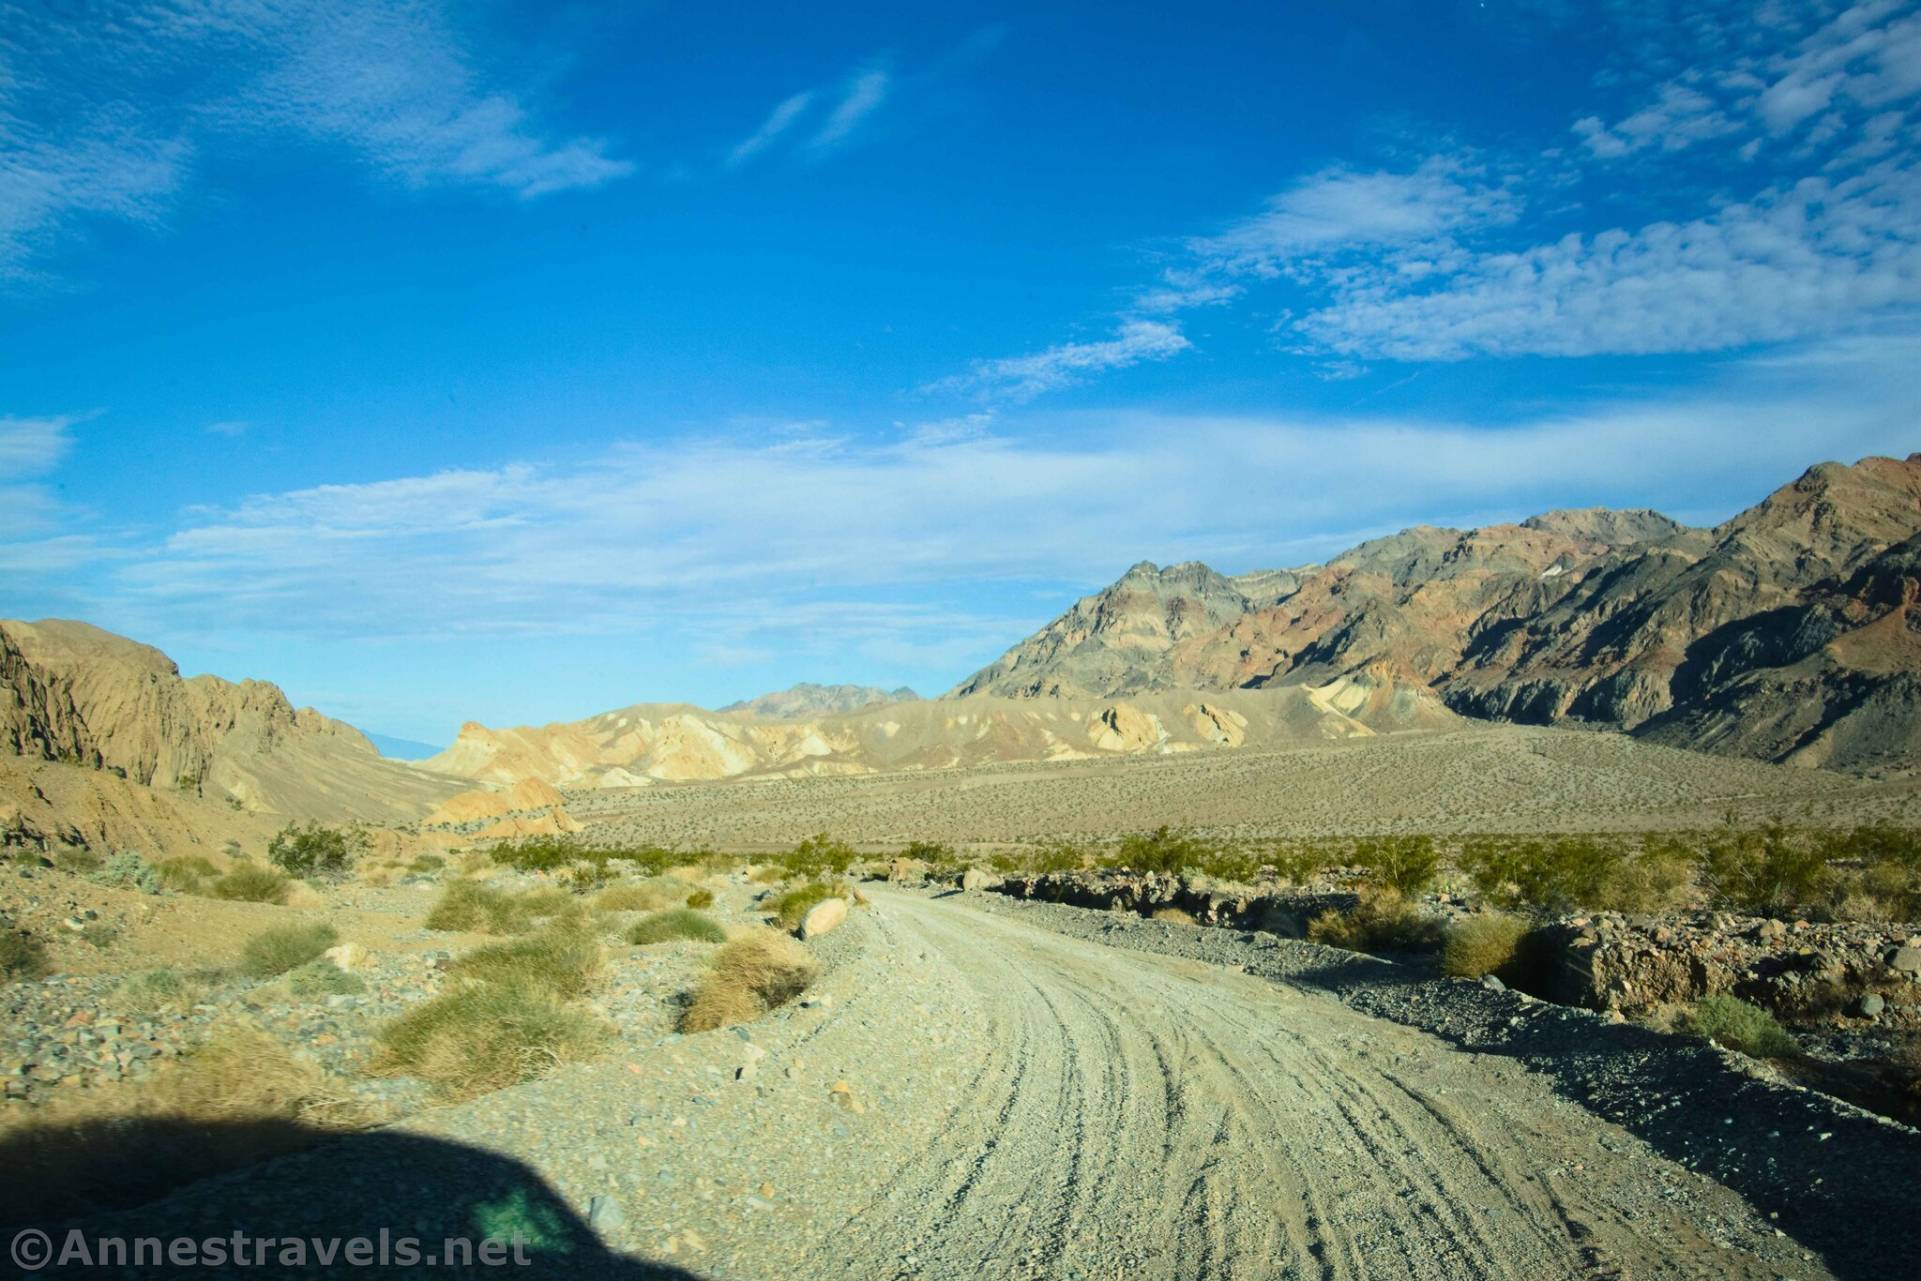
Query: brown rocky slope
x=1784, y=633
x=74, y=695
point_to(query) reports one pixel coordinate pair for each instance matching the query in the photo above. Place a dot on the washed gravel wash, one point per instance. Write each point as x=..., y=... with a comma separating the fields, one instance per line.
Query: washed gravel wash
x=980, y=1088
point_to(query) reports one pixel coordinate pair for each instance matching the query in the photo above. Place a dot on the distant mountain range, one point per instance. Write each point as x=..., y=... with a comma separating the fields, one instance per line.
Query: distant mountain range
x=1786, y=633
x=798, y=702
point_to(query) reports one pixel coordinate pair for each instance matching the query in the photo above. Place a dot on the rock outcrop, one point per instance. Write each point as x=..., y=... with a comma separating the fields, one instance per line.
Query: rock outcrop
x=74, y=694
x=807, y=700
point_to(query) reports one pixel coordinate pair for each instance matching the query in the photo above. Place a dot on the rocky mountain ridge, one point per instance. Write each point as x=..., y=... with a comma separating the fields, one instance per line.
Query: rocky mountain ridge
x=73, y=694
x=1784, y=633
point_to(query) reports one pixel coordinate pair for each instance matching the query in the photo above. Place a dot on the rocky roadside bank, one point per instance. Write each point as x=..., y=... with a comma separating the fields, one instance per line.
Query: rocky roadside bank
x=1837, y=1177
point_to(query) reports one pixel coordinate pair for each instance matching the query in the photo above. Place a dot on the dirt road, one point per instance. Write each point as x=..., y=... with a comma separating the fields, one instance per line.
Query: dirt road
x=967, y=1095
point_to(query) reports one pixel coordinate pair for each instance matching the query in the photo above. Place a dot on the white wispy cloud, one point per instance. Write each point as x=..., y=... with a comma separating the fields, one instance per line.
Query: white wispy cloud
x=101, y=114
x=751, y=543
x=30, y=510
x=778, y=122
x=1346, y=209
x=863, y=96
x=232, y=428
x=1446, y=260
x=1021, y=378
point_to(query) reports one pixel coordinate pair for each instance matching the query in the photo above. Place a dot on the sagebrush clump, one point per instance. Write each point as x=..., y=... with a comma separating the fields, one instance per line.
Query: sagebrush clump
x=312, y=852
x=21, y=956
x=561, y=960
x=790, y=907
x=748, y=977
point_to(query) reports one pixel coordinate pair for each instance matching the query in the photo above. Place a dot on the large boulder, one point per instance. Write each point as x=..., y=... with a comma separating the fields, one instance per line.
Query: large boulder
x=822, y=917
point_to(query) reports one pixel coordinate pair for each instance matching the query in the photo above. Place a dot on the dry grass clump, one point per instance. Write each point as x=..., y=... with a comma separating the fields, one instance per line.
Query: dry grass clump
x=1382, y=920
x=562, y=961
x=187, y=874
x=700, y=899
x=631, y=896
x=790, y=907
x=21, y=956
x=484, y=1037
x=285, y=947
x=154, y=990
x=239, y=1098
x=1741, y=1026
x=1485, y=943
x=749, y=976
x=323, y=978
x=469, y=906
x=681, y=923
x=251, y=883
x=1174, y=916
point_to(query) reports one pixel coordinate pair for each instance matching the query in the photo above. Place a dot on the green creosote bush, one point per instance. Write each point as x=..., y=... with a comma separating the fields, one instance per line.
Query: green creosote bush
x=311, y=852
x=1741, y=1026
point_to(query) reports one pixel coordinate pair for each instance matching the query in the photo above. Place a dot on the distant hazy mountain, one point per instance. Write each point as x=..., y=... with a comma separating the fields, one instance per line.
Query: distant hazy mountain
x=1785, y=633
x=798, y=702
x=400, y=749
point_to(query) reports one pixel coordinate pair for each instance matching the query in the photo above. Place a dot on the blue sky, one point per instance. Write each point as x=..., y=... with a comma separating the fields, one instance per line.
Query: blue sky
x=514, y=362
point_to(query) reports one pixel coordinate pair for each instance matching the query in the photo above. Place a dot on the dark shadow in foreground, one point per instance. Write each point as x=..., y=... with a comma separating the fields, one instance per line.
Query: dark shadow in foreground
x=444, y=1199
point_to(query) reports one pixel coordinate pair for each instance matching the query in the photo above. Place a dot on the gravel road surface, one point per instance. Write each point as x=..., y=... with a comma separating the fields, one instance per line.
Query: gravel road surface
x=969, y=1094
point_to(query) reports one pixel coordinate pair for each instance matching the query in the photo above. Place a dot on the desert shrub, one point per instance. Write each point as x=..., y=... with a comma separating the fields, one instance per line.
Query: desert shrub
x=1061, y=856
x=235, y=1100
x=1555, y=873
x=586, y=878
x=323, y=978
x=631, y=897
x=1173, y=916
x=485, y=1036
x=21, y=956
x=426, y=864
x=790, y=907
x=1770, y=870
x=127, y=870
x=538, y=853
x=1883, y=880
x=819, y=855
x=1659, y=878
x=153, y=990
x=563, y=961
x=79, y=861
x=1484, y=943
x=1228, y=862
x=700, y=899
x=474, y=907
x=747, y=978
x=933, y=853
x=772, y=874
x=1406, y=864
x=185, y=875
x=1299, y=862
x=1162, y=850
x=1381, y=920
x=250, y=883
x=279, y=949
x=311, y=852
x=681, y=923
x=1740, y=1026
